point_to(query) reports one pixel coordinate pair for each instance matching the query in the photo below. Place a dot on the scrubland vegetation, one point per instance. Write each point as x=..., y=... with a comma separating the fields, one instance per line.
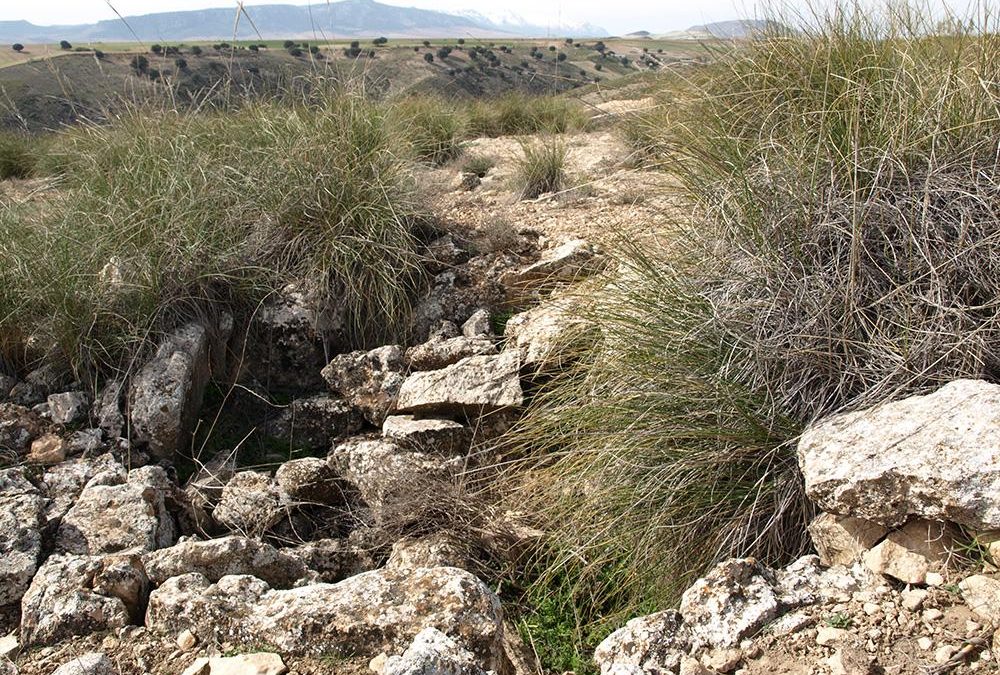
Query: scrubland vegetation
x=837, y=248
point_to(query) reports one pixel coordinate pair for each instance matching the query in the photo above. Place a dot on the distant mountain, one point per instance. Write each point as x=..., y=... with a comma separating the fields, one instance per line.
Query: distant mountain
x=349, y=18
x=509, y=22
x=639, y=34
x=734, y=30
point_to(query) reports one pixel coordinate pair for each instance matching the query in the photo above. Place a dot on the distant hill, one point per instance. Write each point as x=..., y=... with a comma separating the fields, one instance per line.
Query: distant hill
x=349, y=18
x=731, y=30
x=639, y=34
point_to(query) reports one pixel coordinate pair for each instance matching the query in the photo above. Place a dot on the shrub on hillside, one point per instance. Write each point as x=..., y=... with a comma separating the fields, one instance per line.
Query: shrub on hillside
x=541, y=168
x=844, y=197
x=17, y=157
x=198, y=209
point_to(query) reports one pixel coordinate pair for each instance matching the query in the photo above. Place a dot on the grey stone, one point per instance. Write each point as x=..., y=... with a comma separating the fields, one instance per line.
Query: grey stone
x=433, y=653
x=251, y=503
x=476, y=384
x=93, y=663
x=478, y=324
x=166, y=394
x=22, y=521
x=68, y=407
x=733, y=601
x=437, y=353
x=369, y=380
x=932, y=456
x=434, y=436
x=216, y=558
x=310, y=480
x=647, y=644
x=315, y=422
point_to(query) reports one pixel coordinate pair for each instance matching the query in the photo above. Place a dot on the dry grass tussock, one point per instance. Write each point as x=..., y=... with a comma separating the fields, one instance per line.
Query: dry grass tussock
x=843, y=250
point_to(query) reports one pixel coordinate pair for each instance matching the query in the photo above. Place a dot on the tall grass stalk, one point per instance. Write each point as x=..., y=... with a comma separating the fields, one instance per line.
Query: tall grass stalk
x=840, y=248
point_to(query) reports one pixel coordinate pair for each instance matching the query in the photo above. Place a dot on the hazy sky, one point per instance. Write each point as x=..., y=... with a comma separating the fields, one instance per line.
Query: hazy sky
x=617, y=17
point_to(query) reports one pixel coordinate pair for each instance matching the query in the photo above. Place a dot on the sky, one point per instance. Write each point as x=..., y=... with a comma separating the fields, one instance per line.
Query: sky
x=616, y=17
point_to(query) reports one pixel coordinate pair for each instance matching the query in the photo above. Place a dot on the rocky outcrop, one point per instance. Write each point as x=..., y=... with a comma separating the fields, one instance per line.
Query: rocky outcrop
x=542, y=335
x=369, y=381
x=119, y=513
x=439, y=353
x=315, y=422
x=64, y=482
x=474, y=385
x=166, y=394
x=568, y=262
x=374, y=612
x=932, y=456
x=433, y=653
x=78, y=595
x=437, y=436
x=217, y=558
x=22, y=521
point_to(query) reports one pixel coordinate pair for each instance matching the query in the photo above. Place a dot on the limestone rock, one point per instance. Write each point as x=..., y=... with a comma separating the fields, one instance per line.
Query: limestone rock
x=285, y=351
x=571, y=261
x=433, y=436
x=478, y=324
x=22, y=521
x=93, y=663
x=908, y=554
x=434, y=550
x=433, y=653
x=378, y=611
x=259, y=663
x=647, y=644
x=334, y=560
x=47, y=450
x=78, y=595
x=476, y=384
x=384, y=474
x=165, y=395
x=68, y=407
x=933, y=456
x=733, y=601
x=543, y=334
x=120, y=513
x=64, y=482
x=19, y=426
x=982, y=594
x=216, y=558
x=368, y=380
x=251, y=503
x=437, y=353
x=310, y=480
x=315, y=422
x=841, y=540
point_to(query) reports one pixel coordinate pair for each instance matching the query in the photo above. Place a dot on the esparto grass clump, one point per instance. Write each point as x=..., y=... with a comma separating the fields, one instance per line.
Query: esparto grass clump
x=541, y=168
x=164, y=214
x=838, y=247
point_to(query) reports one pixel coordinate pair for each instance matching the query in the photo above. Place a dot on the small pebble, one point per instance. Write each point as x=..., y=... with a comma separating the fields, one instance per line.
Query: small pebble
x=828, y=635
x=186, y=640
x=932, y=614
x=944, y=654
x=925, y=643
x=934, y=579
x=913, y=599
x=871, y=608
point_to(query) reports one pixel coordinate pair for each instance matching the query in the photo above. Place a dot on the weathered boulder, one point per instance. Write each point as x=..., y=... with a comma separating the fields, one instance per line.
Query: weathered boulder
x=435, y=436
x=909, y=553
x=310, y=480
x=570, y=261
x=368, y=380
x=217, y=558
x=315, y=422
x=433, y=653
x=285, y=351
x=386, y=475
x=841, y=540
x=22, y=521
x=367, y=614
x=934, y=456
x=64, y=482
x=476, y=385
x=439, y=353
x=982, y=594
x=334, y=560
x=542, y=335
x=93, y=663
x=259, y=663
x=647, y=644
x=68, y=407
x=165, y=395
x=19, y=426
x=433, y=550
x=78, y=595
x=733, y=601
x=478, y=324
x=118, y=513
x=251, y=503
